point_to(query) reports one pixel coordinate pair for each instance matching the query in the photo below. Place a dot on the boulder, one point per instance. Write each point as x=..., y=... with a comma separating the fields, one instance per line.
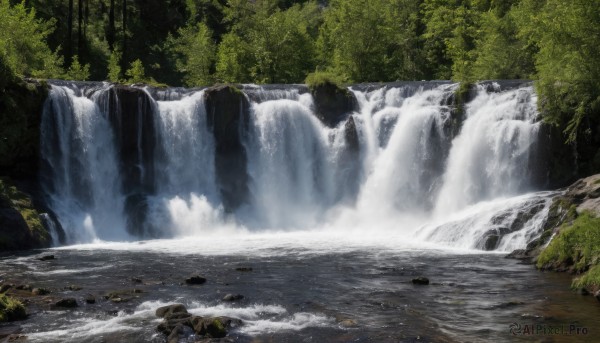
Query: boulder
x=233, y=297
x=40, y=291
x=20, y=223
x=169, y=310
x=421, y=280
x=67, y=303
x=195, y=280
x=90, y=299
x=227, y=111
x=332, y=103
x=46, y=258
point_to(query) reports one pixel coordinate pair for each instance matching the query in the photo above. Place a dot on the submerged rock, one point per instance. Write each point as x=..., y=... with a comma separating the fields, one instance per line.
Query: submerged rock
x=195, y=280
x=421, y=280
x=40, y=291
x=244, y=269
x=90, y=299
x=233, y=297
x=46, y=258
x=67, y=303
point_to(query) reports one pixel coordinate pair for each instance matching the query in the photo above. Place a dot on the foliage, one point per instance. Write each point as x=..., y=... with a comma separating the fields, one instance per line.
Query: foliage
x=589, y=279
x=195, y=51
x=320, y=78
x=355, y=31
x=136, y=72
x=577, y=244
x=11, y=309
x=77, y=71
x=114, y=67
x=233, y=58
x=23, y=42
x=267, y=44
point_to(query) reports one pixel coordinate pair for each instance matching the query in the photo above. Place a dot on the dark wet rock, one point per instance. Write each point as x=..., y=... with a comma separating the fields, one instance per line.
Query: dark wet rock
x=583, y=291
x=46, y=258
x=227, y=111
x=122, y=296
x=90, y=299
x=74, y=288
x=216, y=327
x=131, y=115
x=21, y=225
x=348, y=323
x=66, y=302
x=6, y=287
x=40, y=291
x=508, y=304
x=178, y=332
x=136, y=280
x=24, y=287
x=351, y=134
x=420, y=281
x=243, y=269
x=491, y=242
x=177, y=322
x=233, y=297
x=195, y=280
x=168, y=310
x=597, y=295
x=332, y=103
x=519, y=254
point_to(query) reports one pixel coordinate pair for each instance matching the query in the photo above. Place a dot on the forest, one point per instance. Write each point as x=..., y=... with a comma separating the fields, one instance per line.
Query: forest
x=202, y=42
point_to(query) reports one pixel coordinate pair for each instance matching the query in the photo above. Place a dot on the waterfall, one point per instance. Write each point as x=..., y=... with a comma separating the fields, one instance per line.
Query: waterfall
x=120, y=163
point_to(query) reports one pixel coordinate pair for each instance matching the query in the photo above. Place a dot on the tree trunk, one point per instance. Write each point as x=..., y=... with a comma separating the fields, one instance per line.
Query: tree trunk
x=70, y=33
x=124, y=46
x=110, y=37
x=80, y=28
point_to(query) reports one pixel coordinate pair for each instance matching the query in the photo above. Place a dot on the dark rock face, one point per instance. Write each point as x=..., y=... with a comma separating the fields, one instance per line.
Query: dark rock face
x=332, y=103
x=131, y=114
x=21, y=104
x=507, y=222
x=583, y=195
x=227, y=118
x=351, y=135
x=20, y=223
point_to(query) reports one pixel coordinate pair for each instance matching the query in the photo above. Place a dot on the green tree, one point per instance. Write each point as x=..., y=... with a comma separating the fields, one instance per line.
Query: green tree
x=371, y=40
x=267, y=44
x=136, y=72
x=500, y=51
x=114, y=66
x=77, y=71
x=194, y=51
x=234, y=60
x=23, y=42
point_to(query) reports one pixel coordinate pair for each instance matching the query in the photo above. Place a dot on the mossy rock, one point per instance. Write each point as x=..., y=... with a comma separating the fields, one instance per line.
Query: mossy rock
x=20, y=223
x=11, y=309
x=332, y=103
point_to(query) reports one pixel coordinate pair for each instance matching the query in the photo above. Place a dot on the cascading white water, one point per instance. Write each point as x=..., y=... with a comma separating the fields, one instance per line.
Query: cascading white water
x=78, y=149
x=490, y=157
x=409, y=174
